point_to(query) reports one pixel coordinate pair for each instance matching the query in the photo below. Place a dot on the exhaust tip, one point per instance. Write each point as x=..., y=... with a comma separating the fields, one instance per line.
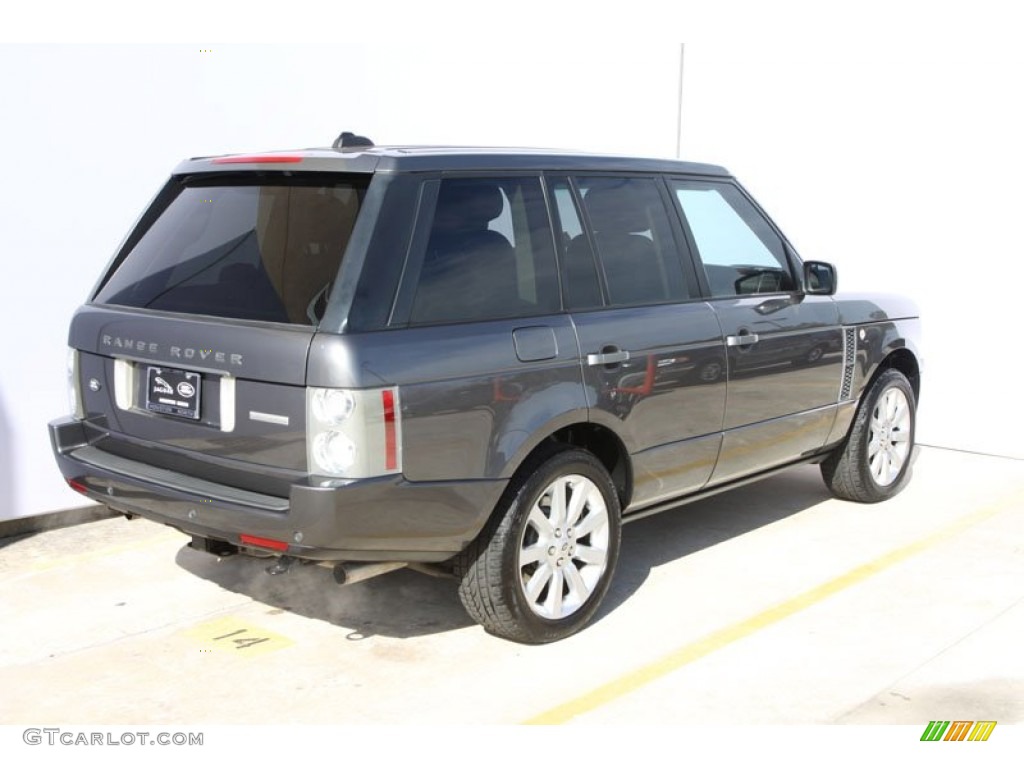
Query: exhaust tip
x=338, y=572
x=350, y=573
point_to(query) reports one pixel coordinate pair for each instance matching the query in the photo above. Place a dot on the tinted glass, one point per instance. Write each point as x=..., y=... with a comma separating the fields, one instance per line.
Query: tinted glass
x=489, y=254
x=634, y=241
x=740, y=251
x=579, y=270
x=260, y=251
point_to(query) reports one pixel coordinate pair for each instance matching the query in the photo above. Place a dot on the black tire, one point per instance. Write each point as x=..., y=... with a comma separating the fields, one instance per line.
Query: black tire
x=849, y=471
x=494, y=579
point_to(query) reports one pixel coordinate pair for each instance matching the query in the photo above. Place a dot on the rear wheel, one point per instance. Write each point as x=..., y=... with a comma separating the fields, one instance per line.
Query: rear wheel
x=540, y=569
x=874, y=462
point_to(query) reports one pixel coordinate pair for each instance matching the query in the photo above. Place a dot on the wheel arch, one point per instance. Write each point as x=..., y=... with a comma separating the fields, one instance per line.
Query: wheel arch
x=599, y=440
x=903, y=360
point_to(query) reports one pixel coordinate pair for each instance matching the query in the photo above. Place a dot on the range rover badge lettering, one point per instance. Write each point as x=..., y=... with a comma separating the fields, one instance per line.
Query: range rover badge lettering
x=180, y=353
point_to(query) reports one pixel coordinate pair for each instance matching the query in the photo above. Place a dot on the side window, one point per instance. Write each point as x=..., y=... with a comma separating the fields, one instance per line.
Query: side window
x=740, y=251
x=579, y=271
x=634, y=240
x=489, y=253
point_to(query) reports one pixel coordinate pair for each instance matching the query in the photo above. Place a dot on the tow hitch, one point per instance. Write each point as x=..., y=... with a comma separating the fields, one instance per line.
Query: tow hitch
x=283, y=564
x=213, y=547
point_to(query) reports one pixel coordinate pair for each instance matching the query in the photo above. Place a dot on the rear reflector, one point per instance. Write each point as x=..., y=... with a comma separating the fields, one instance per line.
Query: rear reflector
x=258, y=159
x=77, y=486
x=256, y=541
x=390, y=444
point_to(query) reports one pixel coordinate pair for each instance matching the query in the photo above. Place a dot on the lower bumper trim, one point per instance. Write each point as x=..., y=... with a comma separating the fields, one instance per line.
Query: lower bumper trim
x=108, y=462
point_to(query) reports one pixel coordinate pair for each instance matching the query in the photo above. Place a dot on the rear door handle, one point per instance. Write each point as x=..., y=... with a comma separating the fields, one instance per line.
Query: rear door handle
x=743, y=340
x=608, y=358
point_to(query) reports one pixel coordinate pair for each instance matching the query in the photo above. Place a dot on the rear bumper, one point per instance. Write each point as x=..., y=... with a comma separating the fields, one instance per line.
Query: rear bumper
x=384, y=518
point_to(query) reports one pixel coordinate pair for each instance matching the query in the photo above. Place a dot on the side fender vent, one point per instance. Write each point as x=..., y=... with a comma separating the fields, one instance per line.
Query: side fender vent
x=849, y=361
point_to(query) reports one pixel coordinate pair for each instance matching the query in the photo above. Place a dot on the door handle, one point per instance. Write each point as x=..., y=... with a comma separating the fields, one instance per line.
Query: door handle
x=610, y=357
x=742, y=340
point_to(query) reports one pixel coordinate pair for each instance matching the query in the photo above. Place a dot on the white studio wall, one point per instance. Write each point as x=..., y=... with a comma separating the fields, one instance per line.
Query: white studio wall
x=898, y=162
x=895, y=164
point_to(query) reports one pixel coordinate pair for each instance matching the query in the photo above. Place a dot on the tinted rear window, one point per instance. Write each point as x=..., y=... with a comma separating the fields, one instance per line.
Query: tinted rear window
x=266, y=249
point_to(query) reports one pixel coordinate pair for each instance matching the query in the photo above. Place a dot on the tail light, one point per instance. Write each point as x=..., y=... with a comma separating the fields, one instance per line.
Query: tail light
x=353, y=433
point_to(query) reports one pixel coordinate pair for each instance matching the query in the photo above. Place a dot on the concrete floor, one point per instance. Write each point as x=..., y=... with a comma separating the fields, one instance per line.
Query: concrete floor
x=772, y=604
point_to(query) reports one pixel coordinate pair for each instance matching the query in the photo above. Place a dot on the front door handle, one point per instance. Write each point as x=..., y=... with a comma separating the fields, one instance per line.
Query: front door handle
x=608, y=357
x=743, y=340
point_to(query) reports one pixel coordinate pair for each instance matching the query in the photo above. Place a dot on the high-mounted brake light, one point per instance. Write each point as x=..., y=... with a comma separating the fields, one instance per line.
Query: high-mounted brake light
x=258, y=159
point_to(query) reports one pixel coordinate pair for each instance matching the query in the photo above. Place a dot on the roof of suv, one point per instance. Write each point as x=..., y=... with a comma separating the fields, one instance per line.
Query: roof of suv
x=436, y=158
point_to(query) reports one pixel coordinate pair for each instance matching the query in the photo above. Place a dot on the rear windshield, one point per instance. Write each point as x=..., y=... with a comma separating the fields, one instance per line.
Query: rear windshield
x=266, y=248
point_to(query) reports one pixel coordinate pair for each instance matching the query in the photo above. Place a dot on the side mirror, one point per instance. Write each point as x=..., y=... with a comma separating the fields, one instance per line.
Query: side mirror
x=819, y=278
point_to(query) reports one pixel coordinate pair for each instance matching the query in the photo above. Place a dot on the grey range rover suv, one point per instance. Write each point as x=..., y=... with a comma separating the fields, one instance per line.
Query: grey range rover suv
x=475, y=361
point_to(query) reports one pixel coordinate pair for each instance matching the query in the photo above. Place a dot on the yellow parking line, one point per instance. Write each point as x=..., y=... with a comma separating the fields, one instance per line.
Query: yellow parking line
x=714, y=641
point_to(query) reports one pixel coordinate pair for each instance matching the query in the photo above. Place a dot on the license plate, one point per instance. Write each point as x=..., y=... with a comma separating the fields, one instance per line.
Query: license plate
x=173, y=392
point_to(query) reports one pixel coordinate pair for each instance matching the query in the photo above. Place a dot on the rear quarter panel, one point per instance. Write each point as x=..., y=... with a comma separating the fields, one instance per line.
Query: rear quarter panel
x=470, y=408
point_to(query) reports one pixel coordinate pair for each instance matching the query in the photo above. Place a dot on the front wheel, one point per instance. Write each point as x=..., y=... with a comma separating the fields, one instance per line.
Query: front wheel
x=874, y=462
x=540, y=568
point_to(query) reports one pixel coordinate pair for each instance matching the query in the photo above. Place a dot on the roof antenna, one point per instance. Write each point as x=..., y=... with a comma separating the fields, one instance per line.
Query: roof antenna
x=349, y=139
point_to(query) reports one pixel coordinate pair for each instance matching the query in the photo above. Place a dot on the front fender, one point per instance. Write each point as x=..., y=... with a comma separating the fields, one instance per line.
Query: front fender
x=877, y=342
